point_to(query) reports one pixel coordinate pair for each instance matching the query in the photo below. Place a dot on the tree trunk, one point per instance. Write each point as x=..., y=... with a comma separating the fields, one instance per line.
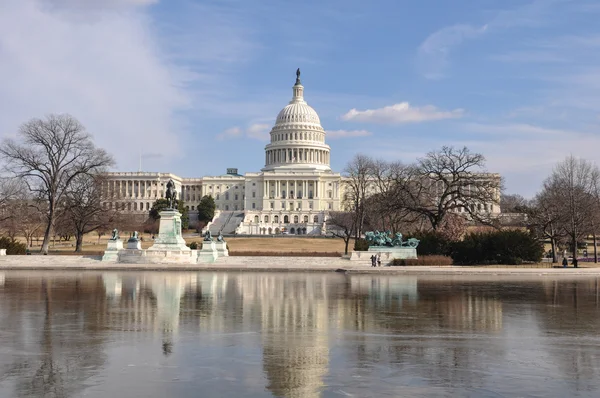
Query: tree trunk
x=47, y=233
x=595, y=249
x=346, y=241
x=553, y=245
x=46, y=241
x=78, y=241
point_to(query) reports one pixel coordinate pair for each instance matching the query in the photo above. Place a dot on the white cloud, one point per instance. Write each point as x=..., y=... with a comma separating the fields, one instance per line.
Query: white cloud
x=105, y=70
x=433, y=53
x=259, y=131
x=256, y=131
x=401, y=113
x=333, y=134
x=233, y=132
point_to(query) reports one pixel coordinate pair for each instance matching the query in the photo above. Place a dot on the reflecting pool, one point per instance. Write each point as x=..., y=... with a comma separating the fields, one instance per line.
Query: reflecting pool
x=204, y=334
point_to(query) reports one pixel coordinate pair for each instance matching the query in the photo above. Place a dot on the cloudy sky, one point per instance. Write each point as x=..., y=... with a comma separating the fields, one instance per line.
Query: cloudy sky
x=193, y=86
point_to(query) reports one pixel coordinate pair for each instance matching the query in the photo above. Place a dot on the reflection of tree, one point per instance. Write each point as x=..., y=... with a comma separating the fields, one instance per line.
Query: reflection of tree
x=565, y=320
x=65, y=359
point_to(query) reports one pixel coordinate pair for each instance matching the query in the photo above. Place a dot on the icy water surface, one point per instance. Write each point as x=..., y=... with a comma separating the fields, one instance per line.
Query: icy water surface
x=162, y=334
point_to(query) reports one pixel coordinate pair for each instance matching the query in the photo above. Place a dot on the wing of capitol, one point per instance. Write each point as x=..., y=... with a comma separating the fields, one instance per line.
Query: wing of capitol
x=292, y=194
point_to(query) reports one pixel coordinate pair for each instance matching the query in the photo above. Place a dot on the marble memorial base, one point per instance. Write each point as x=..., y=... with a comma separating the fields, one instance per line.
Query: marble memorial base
x=158, y=256
x=112, y=250
x=387, y=253
x=208, y=253
x=134, y=244
x=221, y=249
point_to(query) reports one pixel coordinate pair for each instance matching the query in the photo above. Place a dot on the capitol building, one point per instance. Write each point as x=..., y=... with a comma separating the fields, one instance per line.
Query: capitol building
x=292, y=193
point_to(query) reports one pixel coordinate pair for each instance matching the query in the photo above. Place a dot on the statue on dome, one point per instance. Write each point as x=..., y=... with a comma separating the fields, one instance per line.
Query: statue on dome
x=298, y=76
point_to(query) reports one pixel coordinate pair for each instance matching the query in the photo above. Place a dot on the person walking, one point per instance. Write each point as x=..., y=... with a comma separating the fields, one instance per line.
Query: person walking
x=565, y=262
x=379, y=259
x=575, y=262
x=373, y=260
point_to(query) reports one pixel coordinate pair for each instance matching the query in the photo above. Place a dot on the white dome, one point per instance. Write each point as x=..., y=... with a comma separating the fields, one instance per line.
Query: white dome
x=298, y=112
x=297, y=139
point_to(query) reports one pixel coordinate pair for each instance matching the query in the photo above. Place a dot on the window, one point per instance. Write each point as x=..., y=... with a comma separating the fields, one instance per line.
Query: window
x=254, y=194
x=276, y=219
x=253, y=184
x=226, y=195
x=329, y=205
x=272, y=205
x=236, y=196
x=299, y=205
x=316, y=219
x=192, y=208
x=286, y=219
x=226, y=207
x=256, y=218
x=254, y=205
x=283, y=205
x=330, y=194
x=310, y=206
x=296, y=219
x=305, y=218
x=266, y=219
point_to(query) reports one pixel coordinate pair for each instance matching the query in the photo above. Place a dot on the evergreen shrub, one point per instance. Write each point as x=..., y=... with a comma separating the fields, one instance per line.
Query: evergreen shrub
x=510, y=247
x=12, y=246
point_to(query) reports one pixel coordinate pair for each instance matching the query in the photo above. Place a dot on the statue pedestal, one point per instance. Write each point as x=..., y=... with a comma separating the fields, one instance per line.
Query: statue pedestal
x=208, y=253
x=387, y=253
x=222, y=248
x=112, y=250
x=134, y=244
x=169, y=232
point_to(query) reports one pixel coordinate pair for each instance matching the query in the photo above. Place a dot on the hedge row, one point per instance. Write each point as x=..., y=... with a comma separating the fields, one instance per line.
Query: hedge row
x=424, y=260
x=12, y=246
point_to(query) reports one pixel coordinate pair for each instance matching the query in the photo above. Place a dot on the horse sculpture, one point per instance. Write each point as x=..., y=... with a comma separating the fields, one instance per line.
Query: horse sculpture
x=171, y=195
x=384, y=239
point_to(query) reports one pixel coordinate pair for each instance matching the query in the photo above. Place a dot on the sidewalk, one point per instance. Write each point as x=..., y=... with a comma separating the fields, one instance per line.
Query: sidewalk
x=267, y=264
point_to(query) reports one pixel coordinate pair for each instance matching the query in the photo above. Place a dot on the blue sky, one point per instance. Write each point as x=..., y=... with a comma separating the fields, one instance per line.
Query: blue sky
x=194, y=86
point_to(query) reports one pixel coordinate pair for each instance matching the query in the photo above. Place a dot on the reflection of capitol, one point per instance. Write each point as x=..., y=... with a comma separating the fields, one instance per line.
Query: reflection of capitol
x=294, y=314
x=294, y=326
x=473, y=313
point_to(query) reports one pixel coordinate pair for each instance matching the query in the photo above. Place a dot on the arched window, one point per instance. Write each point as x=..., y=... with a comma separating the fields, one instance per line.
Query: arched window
x=256, y=219
x=305, y=218
x=292, y=231
x=295, y=219
x=316, y=219
x=226, y=207
x=286, y=219
x=266, y=219
x=275, y=219
x=270, y=231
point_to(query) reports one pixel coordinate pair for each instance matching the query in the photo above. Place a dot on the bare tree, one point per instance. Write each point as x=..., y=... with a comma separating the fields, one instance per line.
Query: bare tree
x=343, y=225
x=571, y=187
x=50, y=153
x=357, y=183
x=544, y=219
x=512, y=203
x=83, y=207
x=444, y=182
